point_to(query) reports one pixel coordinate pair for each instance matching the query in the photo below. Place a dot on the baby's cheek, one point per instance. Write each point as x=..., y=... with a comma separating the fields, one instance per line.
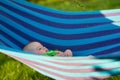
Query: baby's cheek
x=35, y=51
x=40, y=52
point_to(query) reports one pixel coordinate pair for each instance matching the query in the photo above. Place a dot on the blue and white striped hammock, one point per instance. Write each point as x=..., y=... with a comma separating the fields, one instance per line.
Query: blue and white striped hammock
x=95, y=33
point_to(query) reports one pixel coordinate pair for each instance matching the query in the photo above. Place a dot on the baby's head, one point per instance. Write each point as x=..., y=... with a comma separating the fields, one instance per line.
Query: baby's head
x=35, y=47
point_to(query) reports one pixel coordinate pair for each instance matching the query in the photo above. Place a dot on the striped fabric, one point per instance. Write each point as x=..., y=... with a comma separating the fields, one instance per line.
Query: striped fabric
x=95, y=33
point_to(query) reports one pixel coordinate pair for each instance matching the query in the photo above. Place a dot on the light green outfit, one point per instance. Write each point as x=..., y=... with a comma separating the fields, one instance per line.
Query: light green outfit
x=51, y=53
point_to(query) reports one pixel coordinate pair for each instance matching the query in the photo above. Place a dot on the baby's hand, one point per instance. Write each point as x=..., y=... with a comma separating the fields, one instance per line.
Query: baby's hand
x=60, y=53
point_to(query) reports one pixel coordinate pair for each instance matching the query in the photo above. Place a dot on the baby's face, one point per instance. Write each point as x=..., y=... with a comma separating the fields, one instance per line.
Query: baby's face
x=40, y=49
x=36, y=47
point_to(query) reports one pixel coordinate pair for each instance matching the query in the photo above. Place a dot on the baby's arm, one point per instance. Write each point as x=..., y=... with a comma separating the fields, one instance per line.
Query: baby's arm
x=67, y=52
x=58, y=53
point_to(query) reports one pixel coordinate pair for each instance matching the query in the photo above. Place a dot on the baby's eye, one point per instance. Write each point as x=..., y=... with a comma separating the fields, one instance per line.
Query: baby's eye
x=39, y=48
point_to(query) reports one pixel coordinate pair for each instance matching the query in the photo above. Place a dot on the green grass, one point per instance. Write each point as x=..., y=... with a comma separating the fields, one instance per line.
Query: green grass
x=11, y=69
x=79, y=5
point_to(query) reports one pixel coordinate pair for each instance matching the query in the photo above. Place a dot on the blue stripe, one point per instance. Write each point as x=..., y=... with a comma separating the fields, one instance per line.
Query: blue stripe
x=77, y=52
x=57, y=41
x=14, y=41
x=51, y=23
x=100, y=43
x=41, y=11
x=9, y=42
x=94, y=50
x=3, y=43
x=30, y=26
x=68, y=21
x=13, y=34
x=114, y=55
x=61, y=36
x=84, y=54
x=108, y=51
x=62, y=31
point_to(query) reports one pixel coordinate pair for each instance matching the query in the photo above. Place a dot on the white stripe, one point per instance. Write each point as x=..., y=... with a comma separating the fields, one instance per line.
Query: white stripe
x=43, y=72
x=100, y=73
x=105, y=65
x=109, y=11
x=116, y=23
x=40, y=57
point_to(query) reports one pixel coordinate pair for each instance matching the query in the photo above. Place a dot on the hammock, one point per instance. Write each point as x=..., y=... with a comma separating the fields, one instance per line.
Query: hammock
x=95, y=33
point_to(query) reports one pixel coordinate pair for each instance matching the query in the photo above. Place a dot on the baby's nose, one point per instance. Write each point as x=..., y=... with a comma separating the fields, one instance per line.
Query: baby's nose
x=45, y=49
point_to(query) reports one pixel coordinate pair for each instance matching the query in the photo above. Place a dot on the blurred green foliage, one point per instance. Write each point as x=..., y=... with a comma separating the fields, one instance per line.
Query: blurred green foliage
x=10, y=69
x=79, y=5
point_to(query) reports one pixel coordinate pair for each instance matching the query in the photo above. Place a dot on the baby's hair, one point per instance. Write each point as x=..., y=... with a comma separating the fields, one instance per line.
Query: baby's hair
x=29, y=47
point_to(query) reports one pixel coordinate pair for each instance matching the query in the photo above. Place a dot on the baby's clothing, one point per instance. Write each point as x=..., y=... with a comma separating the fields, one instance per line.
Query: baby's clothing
x=51, y=53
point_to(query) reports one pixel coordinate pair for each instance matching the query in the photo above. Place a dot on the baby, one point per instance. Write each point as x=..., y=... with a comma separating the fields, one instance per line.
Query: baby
x=38, y=48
